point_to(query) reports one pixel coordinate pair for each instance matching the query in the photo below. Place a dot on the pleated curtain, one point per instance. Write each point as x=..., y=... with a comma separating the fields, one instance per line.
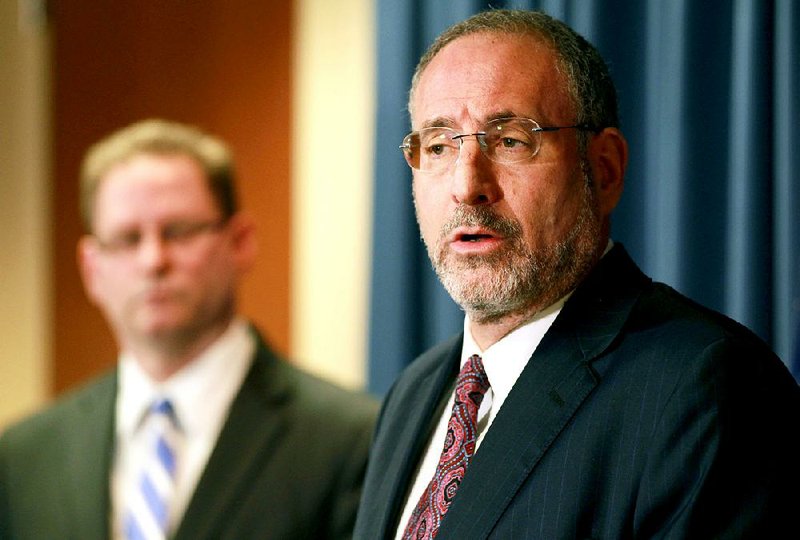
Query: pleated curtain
x=709, y=97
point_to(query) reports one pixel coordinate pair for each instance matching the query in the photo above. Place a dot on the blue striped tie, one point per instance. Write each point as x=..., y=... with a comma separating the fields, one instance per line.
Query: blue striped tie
x=147, y=517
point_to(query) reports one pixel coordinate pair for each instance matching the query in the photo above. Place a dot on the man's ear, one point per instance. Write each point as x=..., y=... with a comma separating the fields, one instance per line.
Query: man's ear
x=87, y=254
x=608, y=155
x=245, y=242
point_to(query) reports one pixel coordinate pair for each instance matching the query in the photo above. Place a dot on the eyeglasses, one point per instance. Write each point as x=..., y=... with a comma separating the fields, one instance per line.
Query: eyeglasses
x=503, y=140
x=176, y=234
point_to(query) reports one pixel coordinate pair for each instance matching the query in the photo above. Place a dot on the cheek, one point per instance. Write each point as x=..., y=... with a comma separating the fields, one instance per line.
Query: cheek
x=112, y=292
x=110, y=282
x=430, y=211
x=215, y=270
x=545, y=215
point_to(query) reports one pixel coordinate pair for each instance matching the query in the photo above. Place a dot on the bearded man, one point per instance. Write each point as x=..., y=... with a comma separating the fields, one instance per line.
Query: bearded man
x=582, y=399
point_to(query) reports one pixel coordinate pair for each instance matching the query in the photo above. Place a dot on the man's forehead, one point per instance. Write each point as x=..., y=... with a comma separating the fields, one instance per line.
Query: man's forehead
x=483, y=76
x=446, y=121
x=135, y=192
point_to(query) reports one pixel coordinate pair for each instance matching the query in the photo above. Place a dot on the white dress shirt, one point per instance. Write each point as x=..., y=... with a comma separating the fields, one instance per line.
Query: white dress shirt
x=201, y=394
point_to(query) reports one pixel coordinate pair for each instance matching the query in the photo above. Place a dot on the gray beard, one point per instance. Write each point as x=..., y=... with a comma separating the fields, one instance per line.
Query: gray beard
x=520, y=281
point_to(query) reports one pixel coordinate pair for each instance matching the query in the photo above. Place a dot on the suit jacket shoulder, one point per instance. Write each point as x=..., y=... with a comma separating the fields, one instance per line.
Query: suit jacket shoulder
x=54, y=467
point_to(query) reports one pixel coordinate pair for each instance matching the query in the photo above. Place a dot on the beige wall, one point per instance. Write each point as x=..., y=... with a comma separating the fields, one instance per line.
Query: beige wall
x=24, y=225
x=332, y=192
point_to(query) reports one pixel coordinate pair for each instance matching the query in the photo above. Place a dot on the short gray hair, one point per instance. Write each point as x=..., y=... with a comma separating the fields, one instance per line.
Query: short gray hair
x=589, y=82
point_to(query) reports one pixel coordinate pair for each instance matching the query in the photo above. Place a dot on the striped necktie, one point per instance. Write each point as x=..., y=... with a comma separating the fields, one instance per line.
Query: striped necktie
x=147, y=515
x=459, y=447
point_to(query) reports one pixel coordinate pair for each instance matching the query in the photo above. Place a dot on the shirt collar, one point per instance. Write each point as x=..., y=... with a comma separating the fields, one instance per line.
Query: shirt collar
x=204, y=387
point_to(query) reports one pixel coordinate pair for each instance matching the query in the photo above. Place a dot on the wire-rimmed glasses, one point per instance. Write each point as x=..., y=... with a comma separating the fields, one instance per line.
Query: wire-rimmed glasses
x=503, y=140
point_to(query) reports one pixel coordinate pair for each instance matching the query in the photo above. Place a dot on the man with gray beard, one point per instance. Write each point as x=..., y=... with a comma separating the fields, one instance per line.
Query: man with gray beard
x=582, y=399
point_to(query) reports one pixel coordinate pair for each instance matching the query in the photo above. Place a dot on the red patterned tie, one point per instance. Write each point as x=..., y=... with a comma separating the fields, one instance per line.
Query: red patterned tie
x=459, y=446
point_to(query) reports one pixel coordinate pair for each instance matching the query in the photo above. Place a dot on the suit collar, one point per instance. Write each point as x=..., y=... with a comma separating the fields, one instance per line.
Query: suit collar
x=410, y=429
x=603, y=302
x=552, y=387
x=239, y=444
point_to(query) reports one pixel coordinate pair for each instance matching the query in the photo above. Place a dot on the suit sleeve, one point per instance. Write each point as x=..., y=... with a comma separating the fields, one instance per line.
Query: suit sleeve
x=723, y=463
x=5, y=517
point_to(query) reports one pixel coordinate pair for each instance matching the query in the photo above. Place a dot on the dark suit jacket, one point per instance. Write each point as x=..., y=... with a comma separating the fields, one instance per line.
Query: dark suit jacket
x=288, y=464
x=640, y=415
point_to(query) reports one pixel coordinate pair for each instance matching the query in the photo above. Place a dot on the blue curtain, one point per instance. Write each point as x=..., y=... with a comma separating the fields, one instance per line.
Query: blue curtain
x=708, y=97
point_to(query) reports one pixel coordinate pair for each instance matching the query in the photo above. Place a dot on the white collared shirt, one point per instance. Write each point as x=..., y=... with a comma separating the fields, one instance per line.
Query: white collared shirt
x=201, y=394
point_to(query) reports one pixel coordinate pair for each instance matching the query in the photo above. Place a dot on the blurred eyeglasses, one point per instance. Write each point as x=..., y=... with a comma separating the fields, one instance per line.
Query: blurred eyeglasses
x=179, y=234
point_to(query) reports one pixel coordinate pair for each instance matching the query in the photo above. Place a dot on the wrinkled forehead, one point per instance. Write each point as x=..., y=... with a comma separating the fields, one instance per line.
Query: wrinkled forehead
x=479, y=75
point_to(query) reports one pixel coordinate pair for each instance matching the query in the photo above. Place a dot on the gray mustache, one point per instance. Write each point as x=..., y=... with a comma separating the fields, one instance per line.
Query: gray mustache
x=481, y=216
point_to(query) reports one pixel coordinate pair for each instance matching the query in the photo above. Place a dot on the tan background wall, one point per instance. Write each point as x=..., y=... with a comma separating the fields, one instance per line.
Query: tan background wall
x=332, y=193
x=24, y=219
x=249, y=72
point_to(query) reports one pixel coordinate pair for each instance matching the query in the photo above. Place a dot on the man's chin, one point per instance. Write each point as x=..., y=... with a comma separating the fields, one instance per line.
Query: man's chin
x=485, y=291
x=469, y=273
x=161, y=328
x=468, y=285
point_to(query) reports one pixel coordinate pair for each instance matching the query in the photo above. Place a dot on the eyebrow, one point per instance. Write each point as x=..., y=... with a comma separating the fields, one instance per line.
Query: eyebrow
x=445, y=121
x=439, y=121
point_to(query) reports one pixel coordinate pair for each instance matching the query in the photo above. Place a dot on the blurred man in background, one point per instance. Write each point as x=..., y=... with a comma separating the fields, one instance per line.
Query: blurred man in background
x=201, y=431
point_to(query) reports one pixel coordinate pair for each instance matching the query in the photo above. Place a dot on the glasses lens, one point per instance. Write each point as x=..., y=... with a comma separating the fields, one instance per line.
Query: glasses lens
x=511, y=140
x=431, y=149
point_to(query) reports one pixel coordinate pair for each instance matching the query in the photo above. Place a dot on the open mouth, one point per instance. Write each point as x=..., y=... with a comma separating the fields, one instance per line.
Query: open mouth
x=474, y=237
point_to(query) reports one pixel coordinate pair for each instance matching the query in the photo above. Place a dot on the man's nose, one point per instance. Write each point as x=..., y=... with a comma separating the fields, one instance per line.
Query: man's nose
x=474, y=181
x=153, y=250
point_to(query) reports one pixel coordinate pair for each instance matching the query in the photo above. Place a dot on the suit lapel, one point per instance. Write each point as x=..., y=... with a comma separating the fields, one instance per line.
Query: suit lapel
x=238, y=447
x=551, y=388
x=90, y=441
x=409, y=424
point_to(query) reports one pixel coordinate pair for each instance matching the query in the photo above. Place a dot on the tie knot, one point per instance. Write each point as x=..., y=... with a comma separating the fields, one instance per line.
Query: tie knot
x=472, y=382
x=163, y=407
x=162, y=418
